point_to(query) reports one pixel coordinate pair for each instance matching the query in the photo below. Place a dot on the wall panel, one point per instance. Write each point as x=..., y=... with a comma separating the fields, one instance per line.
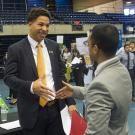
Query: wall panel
x=82, y=4
x=53, y=29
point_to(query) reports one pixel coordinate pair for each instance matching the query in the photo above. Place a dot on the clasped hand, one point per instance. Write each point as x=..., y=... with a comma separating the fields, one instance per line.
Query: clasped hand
x=48, y=94
x=65, y=92
x=43, y=91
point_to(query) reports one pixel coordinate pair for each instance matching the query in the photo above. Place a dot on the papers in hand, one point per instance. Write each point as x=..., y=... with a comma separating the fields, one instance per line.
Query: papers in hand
x=78, y=125
x=10, y=125
x=66, y=120
x=76, y=60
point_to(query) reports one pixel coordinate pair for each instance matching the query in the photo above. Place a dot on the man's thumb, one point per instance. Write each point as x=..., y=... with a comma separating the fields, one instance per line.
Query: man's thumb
x=66, y=84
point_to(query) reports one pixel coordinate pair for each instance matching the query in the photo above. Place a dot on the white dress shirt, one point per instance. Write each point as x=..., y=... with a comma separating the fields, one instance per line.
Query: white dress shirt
x=48, y=68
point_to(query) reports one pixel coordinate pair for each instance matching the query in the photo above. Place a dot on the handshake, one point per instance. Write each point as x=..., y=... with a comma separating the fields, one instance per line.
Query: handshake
x=45, y=92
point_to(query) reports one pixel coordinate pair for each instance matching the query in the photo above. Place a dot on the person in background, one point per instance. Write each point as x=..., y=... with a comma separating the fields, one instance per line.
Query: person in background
x=73, y=47
x=109, y=94
x=12, y=97
x=132, y=46
x=127, y=58
x=68, y=72
x=5, y=58
x=35, y=70
x=66, y=54
x=78, y=68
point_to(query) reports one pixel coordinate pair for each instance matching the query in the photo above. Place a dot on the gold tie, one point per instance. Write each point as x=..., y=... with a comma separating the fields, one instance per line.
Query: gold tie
x=41, y=71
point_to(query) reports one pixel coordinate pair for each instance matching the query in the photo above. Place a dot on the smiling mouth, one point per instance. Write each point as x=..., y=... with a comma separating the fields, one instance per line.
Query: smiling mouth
x=43, y=34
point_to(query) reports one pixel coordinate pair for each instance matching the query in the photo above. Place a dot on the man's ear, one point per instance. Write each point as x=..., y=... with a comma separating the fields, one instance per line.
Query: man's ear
x=95, y=49
x=29, y=23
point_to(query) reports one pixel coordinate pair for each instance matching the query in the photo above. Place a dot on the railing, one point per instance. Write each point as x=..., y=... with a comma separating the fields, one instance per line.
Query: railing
x=13, y=6
x=13, y=15
x=26, y=5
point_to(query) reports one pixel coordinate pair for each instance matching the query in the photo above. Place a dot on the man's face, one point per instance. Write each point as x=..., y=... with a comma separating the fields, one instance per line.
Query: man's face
x=38, y=29
x=127, y=48
x=132, y=46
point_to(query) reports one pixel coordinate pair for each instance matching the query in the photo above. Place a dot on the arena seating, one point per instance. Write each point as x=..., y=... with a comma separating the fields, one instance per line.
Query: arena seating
x=20, y=17
x=16, y=13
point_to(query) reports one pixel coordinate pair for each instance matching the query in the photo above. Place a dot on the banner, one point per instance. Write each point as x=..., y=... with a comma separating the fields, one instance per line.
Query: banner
x=120, y=38
x=82, y=47
x=60, y=39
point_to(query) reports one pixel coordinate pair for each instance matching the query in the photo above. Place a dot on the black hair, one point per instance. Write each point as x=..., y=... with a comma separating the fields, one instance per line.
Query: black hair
x=106, y=37
x=36, y=12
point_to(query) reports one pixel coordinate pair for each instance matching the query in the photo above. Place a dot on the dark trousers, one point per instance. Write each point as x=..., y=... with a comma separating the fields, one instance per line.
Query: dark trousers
x=78, y=77
x=48, y=123
x=12, y=93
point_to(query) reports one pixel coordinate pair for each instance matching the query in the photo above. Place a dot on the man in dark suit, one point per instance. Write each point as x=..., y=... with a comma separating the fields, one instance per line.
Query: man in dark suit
x=21, y=75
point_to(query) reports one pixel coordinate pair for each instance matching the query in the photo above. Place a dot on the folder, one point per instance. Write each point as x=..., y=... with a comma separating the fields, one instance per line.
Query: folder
x=78, y=124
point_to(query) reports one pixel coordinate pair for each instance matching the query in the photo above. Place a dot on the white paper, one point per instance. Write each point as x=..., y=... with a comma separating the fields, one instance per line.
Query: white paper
x=60, y=39
x=10, y=125
x=76, y=61
x=81, y=45
x=66, y=120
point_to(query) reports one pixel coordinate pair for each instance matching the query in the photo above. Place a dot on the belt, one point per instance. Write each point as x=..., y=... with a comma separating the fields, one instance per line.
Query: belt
x=50, y=103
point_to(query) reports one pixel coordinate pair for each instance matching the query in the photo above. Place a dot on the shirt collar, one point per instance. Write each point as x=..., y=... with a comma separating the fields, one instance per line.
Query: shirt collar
x=34, y=43
x=101, y=65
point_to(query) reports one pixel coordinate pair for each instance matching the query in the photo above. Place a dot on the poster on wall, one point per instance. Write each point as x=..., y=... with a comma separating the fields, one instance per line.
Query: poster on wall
x=60, y=39
x=82, y=47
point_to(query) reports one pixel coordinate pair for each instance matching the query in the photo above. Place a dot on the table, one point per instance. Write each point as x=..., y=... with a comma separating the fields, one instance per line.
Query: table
x=16, y=131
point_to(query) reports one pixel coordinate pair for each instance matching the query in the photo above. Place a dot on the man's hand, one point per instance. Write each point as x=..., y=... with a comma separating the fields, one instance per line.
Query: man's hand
x=41, y=90
x=71, y=108
x=65, y=92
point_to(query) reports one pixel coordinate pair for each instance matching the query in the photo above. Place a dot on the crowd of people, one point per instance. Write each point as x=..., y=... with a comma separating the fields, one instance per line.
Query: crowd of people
x=75, y=65
x=35, y=70
x=126, y=55
x=12, y=96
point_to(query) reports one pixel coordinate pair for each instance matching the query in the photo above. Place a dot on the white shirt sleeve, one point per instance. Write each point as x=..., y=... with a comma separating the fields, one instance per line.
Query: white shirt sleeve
x=31, y=90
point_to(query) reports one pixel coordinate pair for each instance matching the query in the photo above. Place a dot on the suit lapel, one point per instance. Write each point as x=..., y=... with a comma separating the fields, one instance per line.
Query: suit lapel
x=51, y=55
x=30, y=57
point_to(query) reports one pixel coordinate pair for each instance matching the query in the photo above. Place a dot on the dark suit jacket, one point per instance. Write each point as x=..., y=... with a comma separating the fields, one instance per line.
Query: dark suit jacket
x=21, y=71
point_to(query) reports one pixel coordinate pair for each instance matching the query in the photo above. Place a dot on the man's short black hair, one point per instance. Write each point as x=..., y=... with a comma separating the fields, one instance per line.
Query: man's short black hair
x=36, y=12
x=106, y=37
